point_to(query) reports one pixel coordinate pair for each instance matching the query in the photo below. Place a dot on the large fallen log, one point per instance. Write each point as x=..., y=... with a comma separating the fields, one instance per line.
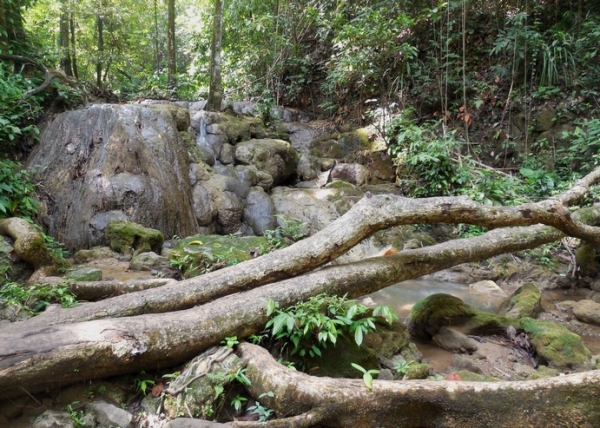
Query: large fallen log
x=35, y=358
x=303, y=401
x=366, y=217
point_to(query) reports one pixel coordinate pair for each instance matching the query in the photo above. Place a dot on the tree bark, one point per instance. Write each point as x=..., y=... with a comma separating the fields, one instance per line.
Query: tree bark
x=100, y=45
x=304, y=401
x=171, y=47
x=39, y=65
x=64, y=39
x=215, y=93
x=36, y=357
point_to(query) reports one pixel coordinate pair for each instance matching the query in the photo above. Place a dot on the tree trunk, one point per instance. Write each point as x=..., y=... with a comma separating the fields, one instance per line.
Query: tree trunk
x=100, y=58
x=304, y=401
x=215, y=93
x=171, y=47
x=36, y=357
x=73, y=50
x=64, y=40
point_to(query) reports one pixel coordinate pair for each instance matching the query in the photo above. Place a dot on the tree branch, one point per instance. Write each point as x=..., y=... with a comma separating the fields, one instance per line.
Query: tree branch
x=39, y=65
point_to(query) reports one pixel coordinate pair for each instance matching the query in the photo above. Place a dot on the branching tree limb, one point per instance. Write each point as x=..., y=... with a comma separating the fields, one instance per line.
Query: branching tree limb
x=47, y=75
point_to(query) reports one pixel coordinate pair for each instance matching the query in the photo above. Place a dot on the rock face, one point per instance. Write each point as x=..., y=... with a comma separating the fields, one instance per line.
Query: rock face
x=128, y=158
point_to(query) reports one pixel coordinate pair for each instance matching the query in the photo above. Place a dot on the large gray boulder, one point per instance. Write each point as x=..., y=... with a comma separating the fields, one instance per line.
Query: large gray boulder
x=106, y=157
x=274, y=157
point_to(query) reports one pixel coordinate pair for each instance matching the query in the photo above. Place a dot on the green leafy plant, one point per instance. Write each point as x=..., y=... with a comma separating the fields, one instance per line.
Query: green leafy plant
x=367, y=375
x=309, y=326
x=293, y=229
x=37, y=297
x=402, y=367
x=76, y=415
x=264, y=413
x=230, y=342
x=142, y=384
x=238, y=402
x=17, y=190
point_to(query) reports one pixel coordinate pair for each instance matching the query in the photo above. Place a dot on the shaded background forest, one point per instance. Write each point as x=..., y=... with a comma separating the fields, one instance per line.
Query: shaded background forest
x=453, y=88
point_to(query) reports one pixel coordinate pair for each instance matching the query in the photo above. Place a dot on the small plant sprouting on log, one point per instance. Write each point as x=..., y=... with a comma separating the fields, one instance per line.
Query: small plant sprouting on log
x=37, y=297
x=367, y=375
x=309, y=326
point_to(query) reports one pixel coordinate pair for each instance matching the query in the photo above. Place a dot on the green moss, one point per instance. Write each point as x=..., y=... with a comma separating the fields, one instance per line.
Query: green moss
x=199, y=254
x=526, y=301
x=586, y=260
x=483, y=323
x=417, y=371
x=435, y=311
x=556, y=345
x=127, y=237
x=543, y=372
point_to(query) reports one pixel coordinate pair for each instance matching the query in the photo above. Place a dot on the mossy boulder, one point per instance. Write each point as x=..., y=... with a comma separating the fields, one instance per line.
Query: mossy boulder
x=387, y=340
x=417, y=371
x=556, y=346
x=435, y=311
x=338, y=145
x=275, y=157
x=83, y=273
x=526, y=301
x=543, y=372
x=586, y=260
x=127, y=237
x=199, y=254
x=96, y=253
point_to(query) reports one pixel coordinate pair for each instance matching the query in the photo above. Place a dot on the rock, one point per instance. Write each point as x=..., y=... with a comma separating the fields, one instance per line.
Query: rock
x=12, y=311
x=308, y=168
x=108, y=415
x=379, y=165
x=526, y=301
x=338, y=145
x=487, y=287
x=542, y=372
x=274, y=157
x=112, y=158
x=556, y=346
x=417, y=371
x=201, y=392
x=587, y=311
x=193, y=423
x=149, y=261
x=353, y=173
x=385, y=374
x=523, y=370
x=54, y=419
x=83, y=273
x=454, y=341
x=179, y=114
x=12, y=268
x=586, y=260
x=438, y=310
x=387, y=340
x=565, y=305
x=127, y=237
x=96, y=253
x=259, y=212
x=460, y=362
x=199, y=254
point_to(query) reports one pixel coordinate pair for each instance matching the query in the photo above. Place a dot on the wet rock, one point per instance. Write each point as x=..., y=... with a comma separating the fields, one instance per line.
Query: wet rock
x=353, y=173
x=454, y=341
x=149, y=261
x=586, y=260
x=587, y=311
x=83, y=273
x=12, y=311
x=11, y=267
x=127, y=237
x=526, y=301
x=487, y=287
x=460, y=362
x=108, y=415
x=54, y=419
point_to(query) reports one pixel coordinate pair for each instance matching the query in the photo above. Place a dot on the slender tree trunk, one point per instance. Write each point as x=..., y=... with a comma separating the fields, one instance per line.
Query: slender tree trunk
x=64, y=39
x=99, y=60
x=215, y=94
x=156, y=49
x=3, y=29
x=73, y=50
x=171, y=46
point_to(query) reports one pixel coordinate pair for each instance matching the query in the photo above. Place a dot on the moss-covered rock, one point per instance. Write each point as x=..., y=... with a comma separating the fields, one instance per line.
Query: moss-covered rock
x=199, y=254
x=387, y=340
x=83, y=273
x=543, y=372
x=556, y=346
x=435, y=311
x=417, y=371
x=526, y=301
x=127, y=237
x=339, y=145
x=96, y=253
x=586, y=260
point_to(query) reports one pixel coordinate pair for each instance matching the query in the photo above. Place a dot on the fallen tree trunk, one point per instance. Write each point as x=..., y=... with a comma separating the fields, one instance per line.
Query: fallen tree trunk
x=303, y=401
x=34, y=358
x=367, y=217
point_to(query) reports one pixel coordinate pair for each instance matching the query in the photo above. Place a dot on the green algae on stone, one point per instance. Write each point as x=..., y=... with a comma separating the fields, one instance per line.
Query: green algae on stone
x=198, y=254
x=435, y=311
x=526, y=301
x=127, y=237
x=556, y=345
x=586, y=260
x=417, y=371
x=542, y=372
